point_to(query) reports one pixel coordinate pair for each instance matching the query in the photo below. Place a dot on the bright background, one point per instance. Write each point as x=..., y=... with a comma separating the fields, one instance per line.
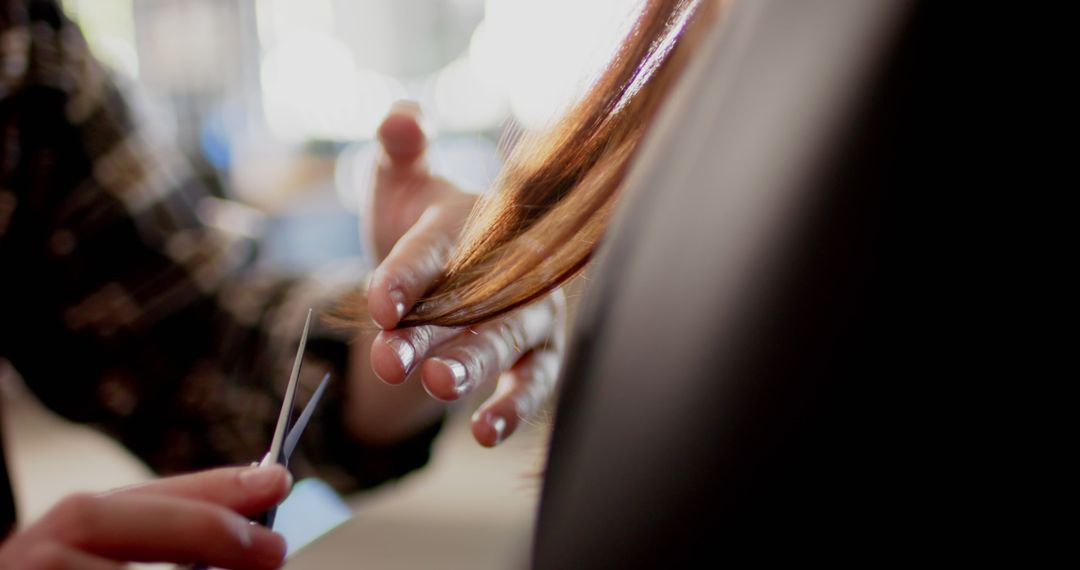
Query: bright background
x=272, y=99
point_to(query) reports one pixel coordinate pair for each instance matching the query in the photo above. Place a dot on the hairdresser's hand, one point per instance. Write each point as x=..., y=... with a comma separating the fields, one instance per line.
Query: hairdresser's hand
x=184, y=520
x=414, y=220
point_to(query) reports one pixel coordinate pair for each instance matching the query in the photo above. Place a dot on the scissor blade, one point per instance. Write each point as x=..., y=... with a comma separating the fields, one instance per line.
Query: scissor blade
x=290, y=396
x=298, y=428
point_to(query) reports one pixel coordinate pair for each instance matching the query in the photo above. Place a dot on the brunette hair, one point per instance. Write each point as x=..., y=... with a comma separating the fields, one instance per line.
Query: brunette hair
x=553, y=200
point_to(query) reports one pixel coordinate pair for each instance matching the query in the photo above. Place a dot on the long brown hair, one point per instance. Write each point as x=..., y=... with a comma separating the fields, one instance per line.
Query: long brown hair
x=553, y=200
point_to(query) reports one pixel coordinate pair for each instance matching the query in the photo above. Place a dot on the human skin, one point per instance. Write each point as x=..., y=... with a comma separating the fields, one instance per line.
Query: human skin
x=198, y=518
x=401, y=378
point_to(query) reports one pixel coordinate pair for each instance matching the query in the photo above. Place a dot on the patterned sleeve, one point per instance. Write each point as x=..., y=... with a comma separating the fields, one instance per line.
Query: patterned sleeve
x=120, y=308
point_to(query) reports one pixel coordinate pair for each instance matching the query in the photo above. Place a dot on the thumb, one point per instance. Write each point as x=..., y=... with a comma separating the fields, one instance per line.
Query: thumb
x=402, y=134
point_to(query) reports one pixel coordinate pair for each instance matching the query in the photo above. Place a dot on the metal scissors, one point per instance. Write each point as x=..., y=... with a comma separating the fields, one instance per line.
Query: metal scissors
x=286, y=434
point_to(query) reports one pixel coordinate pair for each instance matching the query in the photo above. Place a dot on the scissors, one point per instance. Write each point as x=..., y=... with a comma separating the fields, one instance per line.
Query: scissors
x=286, y=434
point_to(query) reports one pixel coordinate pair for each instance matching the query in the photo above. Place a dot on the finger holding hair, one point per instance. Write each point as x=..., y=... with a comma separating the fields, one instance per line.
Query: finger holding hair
x=418, y=258
x=481, y=354
x=413, y=219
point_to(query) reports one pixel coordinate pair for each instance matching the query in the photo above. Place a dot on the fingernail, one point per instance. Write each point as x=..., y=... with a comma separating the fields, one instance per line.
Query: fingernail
x=404, y=350
x=457, y=369
x=398, y=298
x=498, y=423
x=265, y=479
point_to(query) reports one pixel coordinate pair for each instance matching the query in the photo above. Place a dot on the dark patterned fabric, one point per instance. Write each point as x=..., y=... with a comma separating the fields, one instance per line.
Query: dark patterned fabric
x=120, y=308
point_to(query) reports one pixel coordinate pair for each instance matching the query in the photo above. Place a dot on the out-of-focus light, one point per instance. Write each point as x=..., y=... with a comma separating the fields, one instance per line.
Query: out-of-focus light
x=119, y=54
x=465, y=101
x=188, y=51
x=312, y=89
x=281, y=20
x=109, y=27
x=354, y=171
x=545, y=55
x=469, y=162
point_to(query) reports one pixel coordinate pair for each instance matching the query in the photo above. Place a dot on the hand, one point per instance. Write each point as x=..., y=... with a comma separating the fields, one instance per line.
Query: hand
x=413, y=222
x=187, y=519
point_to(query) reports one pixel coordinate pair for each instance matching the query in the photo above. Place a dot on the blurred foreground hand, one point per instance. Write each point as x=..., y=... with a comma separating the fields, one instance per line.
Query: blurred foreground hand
x=188, y=519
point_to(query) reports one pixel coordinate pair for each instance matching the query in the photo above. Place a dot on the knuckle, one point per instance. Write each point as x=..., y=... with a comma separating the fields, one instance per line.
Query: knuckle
x=498, y=343
x=475, y=360
x=511, y=332
x=421, y=338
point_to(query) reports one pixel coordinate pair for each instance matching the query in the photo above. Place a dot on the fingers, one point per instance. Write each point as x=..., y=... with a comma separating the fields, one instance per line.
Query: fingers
x=159, y=528
x=246, y=490
x=469, y=360
x=402, y=136
x=395, y=354
x=417, y=259
x=522, y=350
x=401, y=189
x=187, y=519
x=520, y=394
x=413, y=218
